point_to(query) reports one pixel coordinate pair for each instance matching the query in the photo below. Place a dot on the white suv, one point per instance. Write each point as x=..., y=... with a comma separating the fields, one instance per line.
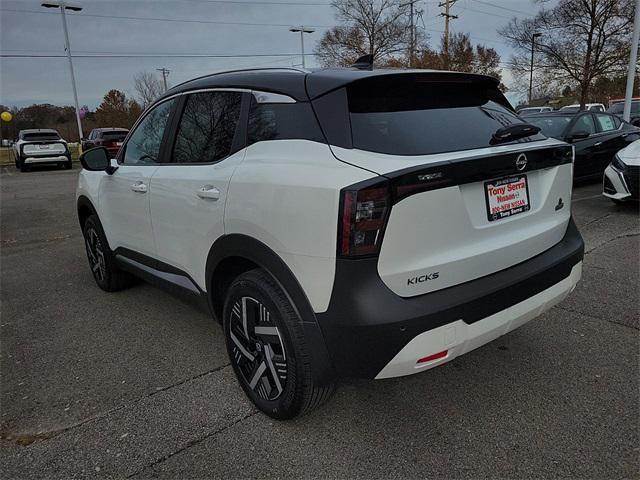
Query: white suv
x=337, y=222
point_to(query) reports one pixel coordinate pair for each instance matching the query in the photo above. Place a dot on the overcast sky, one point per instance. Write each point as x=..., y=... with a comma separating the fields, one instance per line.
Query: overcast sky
x=26, y=28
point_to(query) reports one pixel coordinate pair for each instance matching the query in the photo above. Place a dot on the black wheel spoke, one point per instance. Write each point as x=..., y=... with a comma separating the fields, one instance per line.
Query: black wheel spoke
x=96, y=255
x=257, y=348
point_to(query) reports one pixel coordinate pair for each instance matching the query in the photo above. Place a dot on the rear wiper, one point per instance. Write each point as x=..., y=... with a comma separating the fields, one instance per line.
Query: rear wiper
x=513, y=132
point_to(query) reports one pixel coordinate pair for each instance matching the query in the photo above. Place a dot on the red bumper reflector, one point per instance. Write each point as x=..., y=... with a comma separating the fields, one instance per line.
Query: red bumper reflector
x=435, y=356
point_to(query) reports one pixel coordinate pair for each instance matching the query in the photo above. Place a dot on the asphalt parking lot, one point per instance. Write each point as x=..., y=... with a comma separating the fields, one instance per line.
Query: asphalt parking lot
x=138, y=384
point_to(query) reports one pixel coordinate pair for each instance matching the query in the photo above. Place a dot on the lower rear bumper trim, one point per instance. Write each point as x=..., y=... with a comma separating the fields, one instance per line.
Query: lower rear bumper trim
x=366, y=324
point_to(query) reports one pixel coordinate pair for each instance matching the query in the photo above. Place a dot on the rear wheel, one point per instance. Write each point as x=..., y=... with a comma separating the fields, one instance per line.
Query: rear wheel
x=267, y=348
x=101, y=261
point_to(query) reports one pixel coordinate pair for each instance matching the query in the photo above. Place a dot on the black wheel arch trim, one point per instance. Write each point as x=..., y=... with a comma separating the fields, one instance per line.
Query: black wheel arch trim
x=84, y=202
x=248, y=248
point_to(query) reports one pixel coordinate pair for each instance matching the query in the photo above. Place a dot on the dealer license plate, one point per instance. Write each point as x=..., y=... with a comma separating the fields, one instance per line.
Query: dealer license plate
x=506, y=197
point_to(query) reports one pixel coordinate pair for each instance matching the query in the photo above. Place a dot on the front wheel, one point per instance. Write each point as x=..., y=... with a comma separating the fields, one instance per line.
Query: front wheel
x=267, y=348
x=101, y=260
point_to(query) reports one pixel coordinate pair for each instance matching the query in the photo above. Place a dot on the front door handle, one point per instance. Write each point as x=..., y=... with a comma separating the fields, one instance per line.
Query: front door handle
x=597, y=144
x=139, y=187
x=209, y=192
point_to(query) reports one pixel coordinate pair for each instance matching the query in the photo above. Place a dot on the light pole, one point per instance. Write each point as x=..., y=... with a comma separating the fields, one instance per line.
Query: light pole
x=533, y=45
x=633, y=59
x=302, y=31
x=74, y=7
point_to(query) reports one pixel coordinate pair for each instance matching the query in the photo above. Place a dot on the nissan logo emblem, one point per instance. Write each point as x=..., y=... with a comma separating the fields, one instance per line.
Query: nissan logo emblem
x=521, y=162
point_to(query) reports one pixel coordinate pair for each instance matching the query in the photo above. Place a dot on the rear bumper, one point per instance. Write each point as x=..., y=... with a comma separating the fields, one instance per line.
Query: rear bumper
x=373, y=333
x=52, y=159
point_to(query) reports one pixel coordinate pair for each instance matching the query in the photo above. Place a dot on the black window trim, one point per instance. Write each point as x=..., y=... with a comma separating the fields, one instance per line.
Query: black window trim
x=170, y=131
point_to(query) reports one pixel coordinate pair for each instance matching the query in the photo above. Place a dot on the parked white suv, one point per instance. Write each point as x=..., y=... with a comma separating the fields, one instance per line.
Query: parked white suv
x=337, y=222
x=40, y=146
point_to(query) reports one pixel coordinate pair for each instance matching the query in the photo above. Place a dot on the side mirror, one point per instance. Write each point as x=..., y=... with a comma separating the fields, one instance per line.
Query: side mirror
x=97, y=160
x=579, y=135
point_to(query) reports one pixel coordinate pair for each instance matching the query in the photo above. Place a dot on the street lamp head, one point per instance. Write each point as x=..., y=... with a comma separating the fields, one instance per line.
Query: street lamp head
x=302, y=29
x=67, y=5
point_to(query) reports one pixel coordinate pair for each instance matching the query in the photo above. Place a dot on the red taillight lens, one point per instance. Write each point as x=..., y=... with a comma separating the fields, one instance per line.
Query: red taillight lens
x=364, y=215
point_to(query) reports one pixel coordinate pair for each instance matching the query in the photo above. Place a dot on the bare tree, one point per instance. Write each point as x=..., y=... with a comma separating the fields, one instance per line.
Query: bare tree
x=581, y=41
x=148, y=87
x=376, y=27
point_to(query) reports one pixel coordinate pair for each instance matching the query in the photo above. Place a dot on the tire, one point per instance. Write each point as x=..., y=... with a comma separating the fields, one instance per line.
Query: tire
x=616, y=201
x=272, y=365
x=23, y=166
x=101, y=260
x=68, y=165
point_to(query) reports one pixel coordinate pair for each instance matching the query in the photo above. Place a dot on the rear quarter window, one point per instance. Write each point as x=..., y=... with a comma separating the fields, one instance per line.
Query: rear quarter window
x=281, y=121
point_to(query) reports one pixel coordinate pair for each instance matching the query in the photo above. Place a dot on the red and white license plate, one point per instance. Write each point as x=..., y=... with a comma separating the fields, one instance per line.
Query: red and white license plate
x=506, y=197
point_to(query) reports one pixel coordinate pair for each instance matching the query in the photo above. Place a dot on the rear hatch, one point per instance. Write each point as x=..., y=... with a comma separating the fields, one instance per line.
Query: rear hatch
x=43, y=144
x=113, y=140
x=463, y=204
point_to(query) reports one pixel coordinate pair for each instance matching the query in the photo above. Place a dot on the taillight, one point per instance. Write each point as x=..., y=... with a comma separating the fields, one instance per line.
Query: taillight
x=364, y=213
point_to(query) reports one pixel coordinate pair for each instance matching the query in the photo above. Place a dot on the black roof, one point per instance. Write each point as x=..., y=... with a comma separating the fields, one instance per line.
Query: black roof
x=110, y=129
x=558, y=113
x=38, y=130
x=305, y=84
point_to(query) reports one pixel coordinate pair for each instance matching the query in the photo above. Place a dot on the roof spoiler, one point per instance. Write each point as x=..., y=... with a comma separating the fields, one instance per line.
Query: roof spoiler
x=365, y=62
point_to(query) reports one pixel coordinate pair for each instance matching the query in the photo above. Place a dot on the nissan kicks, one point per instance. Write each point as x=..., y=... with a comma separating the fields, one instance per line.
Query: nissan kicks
x=339, y=222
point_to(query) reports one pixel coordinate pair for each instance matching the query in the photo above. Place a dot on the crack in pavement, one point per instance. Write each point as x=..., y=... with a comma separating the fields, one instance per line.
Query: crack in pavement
x=593, y=317
x=47, y=435
x=190, y=444
x=606, y=242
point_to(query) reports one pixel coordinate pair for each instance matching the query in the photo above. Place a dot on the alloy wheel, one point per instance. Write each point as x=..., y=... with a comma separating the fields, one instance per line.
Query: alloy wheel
x=257, y=348
x=95, y=253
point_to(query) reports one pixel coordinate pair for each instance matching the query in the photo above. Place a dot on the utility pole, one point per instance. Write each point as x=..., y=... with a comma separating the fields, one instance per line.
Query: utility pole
x=412, y=33
x=165, y=73
x=533, y=46
x=302, y=29
x=75, y=7
x=633, y=60
x=447, y=4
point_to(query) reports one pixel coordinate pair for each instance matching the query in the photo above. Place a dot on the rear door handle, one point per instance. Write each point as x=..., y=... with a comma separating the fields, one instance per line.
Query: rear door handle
x=139, y=187
x=597, y=144
x=209, y=192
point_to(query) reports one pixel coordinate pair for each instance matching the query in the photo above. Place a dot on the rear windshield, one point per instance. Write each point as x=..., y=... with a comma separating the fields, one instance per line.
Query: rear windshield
x=551, y=126
x=407, y=116
x=570, y=109
x=618, y=108
x=114, y=136
x=40, y=136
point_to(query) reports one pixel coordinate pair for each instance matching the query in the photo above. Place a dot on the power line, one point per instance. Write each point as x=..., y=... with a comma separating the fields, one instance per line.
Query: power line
x=152, y=55
x=161, y=19
x=504, y=8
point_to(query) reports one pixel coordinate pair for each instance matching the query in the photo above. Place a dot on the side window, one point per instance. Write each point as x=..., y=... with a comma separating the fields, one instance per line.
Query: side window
x=143, y=147
x=207, y=127
x=584, y=123
x=277, y=121
x=617, y=121
x=605, y=122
